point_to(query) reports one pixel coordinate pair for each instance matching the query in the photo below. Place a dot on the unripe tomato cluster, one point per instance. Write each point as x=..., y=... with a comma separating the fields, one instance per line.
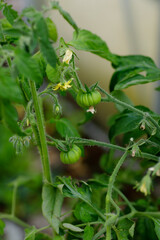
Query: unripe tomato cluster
x=72, y=156
x=88, y=99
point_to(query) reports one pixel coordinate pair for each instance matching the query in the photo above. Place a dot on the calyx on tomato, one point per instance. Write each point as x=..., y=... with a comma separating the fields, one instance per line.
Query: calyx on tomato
x=71, y=156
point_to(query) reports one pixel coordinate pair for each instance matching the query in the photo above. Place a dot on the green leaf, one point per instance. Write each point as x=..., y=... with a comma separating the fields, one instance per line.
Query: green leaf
x=42, y=236
x=127, y=121
x=145, y=229
x=2, y=226
x=52, y=31
x=65, y=128
x=28, y=66
x=66, y=15
x=5, y=24
x=48, y=199
x=10, y=13
x=122, y=97
x=51, y=205
x=10, y=117
x=9, y=89
x=45, y=45
x=72, y=227
x=132, y=229
x=132, y=60
x=133, y=70
x=41, y=62
x=70, y=189
x=85, y=213
x=52, y=73
x=30, y=12
x=123, y=229
x=14, y=33
x=87, y=41
x=157, y=227
x=30, y=233
x=88, y=233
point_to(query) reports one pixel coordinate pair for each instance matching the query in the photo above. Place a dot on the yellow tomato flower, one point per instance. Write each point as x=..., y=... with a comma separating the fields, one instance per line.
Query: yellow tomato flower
x=63, y=86
x=68, y=56
x=57, y=87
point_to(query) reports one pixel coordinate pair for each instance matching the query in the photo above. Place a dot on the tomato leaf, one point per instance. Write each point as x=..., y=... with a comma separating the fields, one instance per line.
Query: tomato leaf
x=125, y=122
x=157, y=227
x=28, y=66
x=124, y=229
x=72, y=227
x=10, y=13
x=65, y=128
x=133, y=70
x=66, y=15
x=88, y=233
x=44, y=43
x=52, y=74
x=48, y=200
x=9, y=89
x=70, y=189
x=51, y=205
x=10, y=117
x=52, y=31
x=30, y=233
x=42, y=236
x=90, y=42
x=85, y=213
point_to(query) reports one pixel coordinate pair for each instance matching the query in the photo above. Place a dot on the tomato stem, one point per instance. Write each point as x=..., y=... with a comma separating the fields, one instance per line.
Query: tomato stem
x=109, y=194
x=40, y=125
x=146, y=115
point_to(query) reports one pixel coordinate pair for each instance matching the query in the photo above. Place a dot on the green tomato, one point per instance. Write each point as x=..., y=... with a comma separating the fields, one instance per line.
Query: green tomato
x=72, y=156
x=87, y=100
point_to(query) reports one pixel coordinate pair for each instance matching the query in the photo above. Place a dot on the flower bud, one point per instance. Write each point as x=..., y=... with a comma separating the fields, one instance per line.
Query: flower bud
x=143, y=125
x=145, y=185
x=135, y=150
x=57, y=110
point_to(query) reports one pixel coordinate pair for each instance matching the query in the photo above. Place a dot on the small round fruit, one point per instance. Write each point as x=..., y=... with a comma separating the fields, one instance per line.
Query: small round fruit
x=72, y=156
x=87, y=100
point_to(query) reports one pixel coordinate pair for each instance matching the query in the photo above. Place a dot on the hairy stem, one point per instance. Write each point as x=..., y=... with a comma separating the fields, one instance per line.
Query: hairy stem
x=40, y=125
x=109, y=193
x=90, y=142
x=146, y=115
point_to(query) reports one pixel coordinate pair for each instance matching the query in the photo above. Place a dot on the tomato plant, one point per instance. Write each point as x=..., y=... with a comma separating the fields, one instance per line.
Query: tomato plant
x=102, y=206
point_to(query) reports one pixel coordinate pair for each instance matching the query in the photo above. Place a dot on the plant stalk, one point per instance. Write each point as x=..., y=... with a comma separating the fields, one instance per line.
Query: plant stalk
x=42, y=137
x=126, y=105
x=109, y=193
x=91, y=142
